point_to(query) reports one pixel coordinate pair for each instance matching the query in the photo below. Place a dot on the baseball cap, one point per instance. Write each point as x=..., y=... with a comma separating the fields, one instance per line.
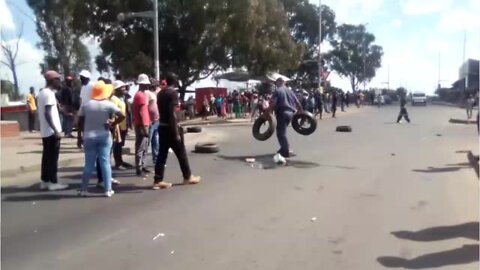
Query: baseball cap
x=143, y=79
x=51, y=74
x=85, y=73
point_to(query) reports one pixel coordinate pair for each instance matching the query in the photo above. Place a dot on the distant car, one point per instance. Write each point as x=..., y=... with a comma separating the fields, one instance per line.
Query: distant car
x=419, y=98
x=388, y=99
x=379, y=100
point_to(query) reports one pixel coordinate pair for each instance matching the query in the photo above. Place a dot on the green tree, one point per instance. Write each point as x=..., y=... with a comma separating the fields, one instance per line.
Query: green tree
x=8, y=88
x=63, y=47
x=354, y=54
x=197, y=37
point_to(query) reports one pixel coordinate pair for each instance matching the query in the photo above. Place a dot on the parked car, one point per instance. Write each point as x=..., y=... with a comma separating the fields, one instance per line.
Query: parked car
x=419, y=98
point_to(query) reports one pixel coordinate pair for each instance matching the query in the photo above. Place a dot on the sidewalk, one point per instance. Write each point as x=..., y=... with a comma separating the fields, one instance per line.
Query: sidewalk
x=23, y=155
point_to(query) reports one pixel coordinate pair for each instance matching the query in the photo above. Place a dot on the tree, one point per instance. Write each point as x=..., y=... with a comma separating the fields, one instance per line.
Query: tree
x=8, y=88
x=197, y=37
x=10, y=52
x=303, y=22
x=354, y=54
x=63, y=47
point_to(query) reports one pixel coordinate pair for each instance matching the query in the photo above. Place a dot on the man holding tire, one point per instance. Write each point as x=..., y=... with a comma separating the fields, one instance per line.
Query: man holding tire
x=284, y=102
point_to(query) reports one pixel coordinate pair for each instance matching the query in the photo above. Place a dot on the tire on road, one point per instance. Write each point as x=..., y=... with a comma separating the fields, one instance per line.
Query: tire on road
x=206, y=148
x=299, y=118
x=259, y=122
x=194, y=129
x=344, y=129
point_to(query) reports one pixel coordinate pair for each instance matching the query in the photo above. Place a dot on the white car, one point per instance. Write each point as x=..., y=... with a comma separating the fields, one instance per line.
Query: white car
x=419, y=98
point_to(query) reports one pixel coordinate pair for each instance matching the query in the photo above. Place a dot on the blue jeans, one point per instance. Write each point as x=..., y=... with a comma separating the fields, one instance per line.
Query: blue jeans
x=283, y=120
x=153, y=140
x=97, y=148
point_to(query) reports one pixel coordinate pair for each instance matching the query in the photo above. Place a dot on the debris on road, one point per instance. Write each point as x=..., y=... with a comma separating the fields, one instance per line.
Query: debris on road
x=313, y=219
x=158, y=235
x=172, y=252
x=439, y=135
x=34, y=203
x=392, y=154
x=250, y=160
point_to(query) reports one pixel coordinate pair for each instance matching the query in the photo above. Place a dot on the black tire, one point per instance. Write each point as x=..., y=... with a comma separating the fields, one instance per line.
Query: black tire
x=206, y=148
x=344, y=129
x=261, y=120
x=299, y=118
x=194, y=129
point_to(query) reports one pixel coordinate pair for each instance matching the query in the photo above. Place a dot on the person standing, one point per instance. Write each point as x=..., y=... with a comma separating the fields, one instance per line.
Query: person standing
x=154, y=117
x=191, y=107
x=347, y=99
x=319, y=103
x=334, y=103
x=32, y=109
x=342, y=101
x=141, y=119
x=284, y=102
x=403, y=110
x=85, y=95
x=205, y=108
x=119, y=143
x=67, y=108
x=50, y=130
x=97, y=124
x=470, y=103
x=171, y=136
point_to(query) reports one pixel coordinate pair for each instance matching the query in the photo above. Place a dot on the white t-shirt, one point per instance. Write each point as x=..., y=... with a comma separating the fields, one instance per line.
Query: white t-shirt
x=47, y=97
x=86, y=92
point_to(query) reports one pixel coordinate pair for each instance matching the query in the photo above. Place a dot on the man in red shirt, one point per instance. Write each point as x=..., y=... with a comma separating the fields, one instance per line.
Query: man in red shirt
x=142, y=122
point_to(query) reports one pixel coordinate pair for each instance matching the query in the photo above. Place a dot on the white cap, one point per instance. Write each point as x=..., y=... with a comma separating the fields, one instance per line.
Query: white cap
x=85, y=73
x=118, y=84
x=143, y=79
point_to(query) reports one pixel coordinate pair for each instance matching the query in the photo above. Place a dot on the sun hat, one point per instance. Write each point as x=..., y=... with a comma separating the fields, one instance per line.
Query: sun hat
x=143, y=79
x=117, y=84
x=101, y=90
x=85, y=73
x=51, y=74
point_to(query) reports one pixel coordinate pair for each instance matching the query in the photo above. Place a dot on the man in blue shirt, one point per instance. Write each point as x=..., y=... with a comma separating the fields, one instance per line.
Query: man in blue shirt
x=284, y=102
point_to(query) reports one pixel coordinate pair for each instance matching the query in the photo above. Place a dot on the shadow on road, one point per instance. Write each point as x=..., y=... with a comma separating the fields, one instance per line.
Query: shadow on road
x=464, y=255
x=466, y=230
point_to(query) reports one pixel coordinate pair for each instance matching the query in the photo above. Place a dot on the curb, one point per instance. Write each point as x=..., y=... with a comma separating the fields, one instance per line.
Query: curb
x=37, y=167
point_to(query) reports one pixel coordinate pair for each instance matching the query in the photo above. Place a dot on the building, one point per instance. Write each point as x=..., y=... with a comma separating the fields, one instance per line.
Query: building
x=468, y=77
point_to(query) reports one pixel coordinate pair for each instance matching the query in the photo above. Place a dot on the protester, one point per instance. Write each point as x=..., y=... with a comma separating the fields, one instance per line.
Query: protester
x=347, y=99
x=469, y=107
x=118, y=143
x=342, y=101
x=211, y=105
x=171, y=136
x=218, y=106
x=96, y=125
x=284, y=103
x=32, y=109
x=334, y=103
x=191, y=107
x=205, y=108
x=153, y=114
x=67, y=109
x=236, y=104
x=318, y=103
x=141, y=119
x=230, y=105
x=85, y=95
x=50, y=130
x=403, y=110
x=223, y=108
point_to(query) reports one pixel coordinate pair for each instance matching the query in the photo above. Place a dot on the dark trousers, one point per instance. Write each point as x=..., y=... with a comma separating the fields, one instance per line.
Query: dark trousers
x=117, y=148
x=31, y=121
x=403, y=113
x=283, y=120
x=167, y=141
x=50, y=154
x=334, y=109
x=67, y=124
x=141, y=148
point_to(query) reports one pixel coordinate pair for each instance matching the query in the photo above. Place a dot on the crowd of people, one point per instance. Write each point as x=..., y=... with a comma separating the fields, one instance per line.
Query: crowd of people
x=103, y=116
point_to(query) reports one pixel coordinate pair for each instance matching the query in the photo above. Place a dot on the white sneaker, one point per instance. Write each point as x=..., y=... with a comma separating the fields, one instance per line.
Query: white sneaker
x=81, y=193
x=56, y=186
x=43, y=185
x=109, y=193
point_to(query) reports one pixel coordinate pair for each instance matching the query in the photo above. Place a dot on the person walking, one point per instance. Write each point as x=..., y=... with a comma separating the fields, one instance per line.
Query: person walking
x=85, y=95
x=319, y=103
x=334, y=103
x=284, y=103
x=342, y=101
x=118, y=143
x=347, y=99
x=154, y=117
x=50, y=130
x=32, y=109
x=218, y=105
x=96, y=123
x=141, y=119
x=224, y=108
x=67, y=108
x=205, y=108
x=403, y=110
x=191, y=107
x=171, y=136
x=469, y=106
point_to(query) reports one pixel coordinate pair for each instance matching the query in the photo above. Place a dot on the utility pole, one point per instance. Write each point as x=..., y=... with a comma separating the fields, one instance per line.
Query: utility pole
x=155, y=40
x=465, y=69
x=319, y=46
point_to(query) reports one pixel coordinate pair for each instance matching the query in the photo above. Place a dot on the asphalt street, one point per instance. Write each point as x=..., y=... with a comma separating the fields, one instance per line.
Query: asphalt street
x=385, y=195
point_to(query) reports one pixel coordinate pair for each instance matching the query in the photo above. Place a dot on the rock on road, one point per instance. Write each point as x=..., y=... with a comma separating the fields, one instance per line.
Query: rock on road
x=385, y=195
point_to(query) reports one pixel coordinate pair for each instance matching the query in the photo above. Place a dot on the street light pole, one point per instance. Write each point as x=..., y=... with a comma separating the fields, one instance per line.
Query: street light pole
x=319, y=45
x=155, y=40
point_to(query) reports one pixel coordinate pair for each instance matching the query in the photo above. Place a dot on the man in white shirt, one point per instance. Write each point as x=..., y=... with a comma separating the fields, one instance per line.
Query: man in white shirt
x=50, y=130
x=85, y=96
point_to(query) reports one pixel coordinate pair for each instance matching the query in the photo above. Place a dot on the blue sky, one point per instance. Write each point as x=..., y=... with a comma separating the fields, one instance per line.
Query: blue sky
x=413, y=34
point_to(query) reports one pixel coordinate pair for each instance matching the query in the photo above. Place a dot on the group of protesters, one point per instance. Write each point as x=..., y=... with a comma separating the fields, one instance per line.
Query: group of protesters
x=103, y=117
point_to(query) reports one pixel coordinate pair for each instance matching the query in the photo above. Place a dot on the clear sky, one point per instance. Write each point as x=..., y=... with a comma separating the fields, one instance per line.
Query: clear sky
x=414, y=34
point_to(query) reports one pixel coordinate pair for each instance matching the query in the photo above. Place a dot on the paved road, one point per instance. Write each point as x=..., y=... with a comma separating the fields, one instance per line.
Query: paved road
x=384, y=195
